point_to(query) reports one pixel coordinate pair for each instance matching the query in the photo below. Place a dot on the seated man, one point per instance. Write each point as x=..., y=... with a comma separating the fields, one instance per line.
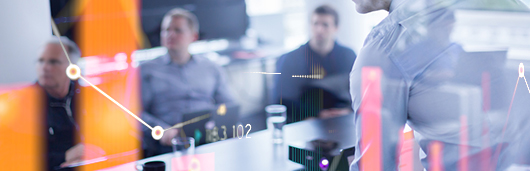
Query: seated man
x=61, y=118
x=323, y=58
x=178, y=83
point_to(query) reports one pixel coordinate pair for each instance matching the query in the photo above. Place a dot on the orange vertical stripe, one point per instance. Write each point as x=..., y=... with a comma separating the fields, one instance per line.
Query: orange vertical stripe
x=107, y=28
x=370, y=111
x=21, y=129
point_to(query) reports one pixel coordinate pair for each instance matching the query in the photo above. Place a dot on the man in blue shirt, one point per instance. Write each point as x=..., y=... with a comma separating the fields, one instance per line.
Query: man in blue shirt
x=314, y=77
x=416, y=74
x=178, y=83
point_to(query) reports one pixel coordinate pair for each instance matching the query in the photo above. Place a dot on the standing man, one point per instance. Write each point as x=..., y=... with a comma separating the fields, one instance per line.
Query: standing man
x=323, y=58
x=411, y=72
x=177, y=82
x=62, y=127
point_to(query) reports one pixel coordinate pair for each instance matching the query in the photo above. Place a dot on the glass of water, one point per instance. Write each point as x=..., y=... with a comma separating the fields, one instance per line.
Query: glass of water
x=276, y=117
x=183, y=146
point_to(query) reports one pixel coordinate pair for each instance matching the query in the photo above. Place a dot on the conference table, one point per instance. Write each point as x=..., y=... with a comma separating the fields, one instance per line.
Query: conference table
x=259, y=152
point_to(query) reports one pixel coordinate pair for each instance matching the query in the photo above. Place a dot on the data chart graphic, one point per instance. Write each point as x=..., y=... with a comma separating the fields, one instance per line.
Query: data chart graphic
x=309, y=76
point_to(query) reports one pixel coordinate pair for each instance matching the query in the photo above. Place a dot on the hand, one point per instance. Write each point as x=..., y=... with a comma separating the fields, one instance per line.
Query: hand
x=77, y=152
x=333, y=112
x=168, y=135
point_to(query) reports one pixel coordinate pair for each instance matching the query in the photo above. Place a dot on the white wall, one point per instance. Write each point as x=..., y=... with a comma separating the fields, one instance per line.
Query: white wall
x=25, y=26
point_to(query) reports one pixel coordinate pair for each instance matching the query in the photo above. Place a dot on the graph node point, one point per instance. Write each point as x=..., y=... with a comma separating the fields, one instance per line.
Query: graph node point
x=521, y=70
x=157, y=132
x=73, y=72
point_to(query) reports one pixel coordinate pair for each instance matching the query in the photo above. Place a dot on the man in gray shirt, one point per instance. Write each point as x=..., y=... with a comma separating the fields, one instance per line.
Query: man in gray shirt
x=178, y=83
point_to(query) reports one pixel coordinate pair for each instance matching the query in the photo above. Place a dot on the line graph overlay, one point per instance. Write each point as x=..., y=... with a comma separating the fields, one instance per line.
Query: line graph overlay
x=56, y=32
x=74, y=72
x=521, y=75
x=117, y=104
x=196, y=119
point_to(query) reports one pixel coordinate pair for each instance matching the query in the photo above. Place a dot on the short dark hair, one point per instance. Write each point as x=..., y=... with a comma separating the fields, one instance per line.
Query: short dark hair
x=327, y=10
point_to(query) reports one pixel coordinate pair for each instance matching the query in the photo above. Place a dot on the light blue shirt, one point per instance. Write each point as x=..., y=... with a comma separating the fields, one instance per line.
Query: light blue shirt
x=170, y=90
x=430, y=82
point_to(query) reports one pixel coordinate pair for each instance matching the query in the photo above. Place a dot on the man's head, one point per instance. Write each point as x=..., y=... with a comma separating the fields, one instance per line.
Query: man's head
x=52, y=62
x=366, y=6
x=324, y=24
x=179, y=29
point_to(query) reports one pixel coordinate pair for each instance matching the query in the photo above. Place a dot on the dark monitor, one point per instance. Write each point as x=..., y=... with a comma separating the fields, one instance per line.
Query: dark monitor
x=217, y=18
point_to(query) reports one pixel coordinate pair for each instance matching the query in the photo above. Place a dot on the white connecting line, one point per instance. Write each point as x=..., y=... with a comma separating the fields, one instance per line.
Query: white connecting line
x=266, y=73
x=117, y=104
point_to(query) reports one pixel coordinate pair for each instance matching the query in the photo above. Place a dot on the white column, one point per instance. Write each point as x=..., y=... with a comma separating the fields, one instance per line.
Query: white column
x=25, y=26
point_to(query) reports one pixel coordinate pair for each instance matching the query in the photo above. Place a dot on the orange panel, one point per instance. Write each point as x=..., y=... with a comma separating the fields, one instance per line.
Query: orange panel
x=106, y=29
x=21, y=119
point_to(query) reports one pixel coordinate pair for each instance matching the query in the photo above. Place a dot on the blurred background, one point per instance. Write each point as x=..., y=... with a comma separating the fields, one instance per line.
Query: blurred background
x=241, y=35
x=115, y=37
